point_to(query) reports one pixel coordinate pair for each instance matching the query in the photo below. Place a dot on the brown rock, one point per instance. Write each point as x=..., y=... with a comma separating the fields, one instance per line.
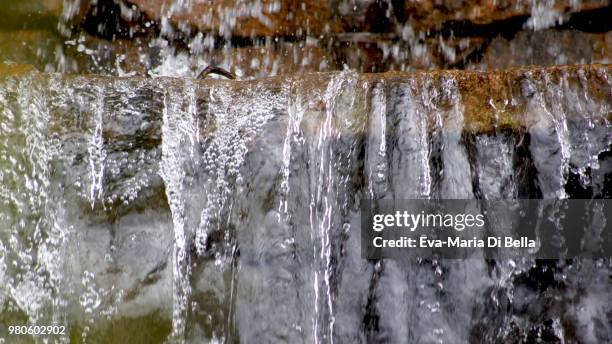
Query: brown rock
x=54, y=6
x=29, y=14
x=548, y=47
x=10, y=69
x=364, y=15
x=117, y=57
x=39, y=48
x=246, y=18
x=484, y=96
x=48, y=51
x=136, y=57
x=32, y=7
x=429, y=14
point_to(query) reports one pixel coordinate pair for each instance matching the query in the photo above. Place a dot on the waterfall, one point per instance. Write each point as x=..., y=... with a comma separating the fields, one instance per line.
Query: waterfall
x=230, y=212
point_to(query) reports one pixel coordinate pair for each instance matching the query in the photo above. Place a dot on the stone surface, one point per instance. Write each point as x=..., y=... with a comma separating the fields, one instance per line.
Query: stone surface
x=271, y=60
x=129, y=44
x=430, y=14
x=251, y=18
x=548, y=47
x=364, y=53
x=30, y=14
x=32, y=7
x=48, y=51
x=481, y=92
x=314, y=18
x=40, y=48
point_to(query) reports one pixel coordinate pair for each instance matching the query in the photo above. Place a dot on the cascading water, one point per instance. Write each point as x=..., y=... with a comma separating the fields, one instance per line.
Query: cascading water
x=206, y=212
x=145, y=206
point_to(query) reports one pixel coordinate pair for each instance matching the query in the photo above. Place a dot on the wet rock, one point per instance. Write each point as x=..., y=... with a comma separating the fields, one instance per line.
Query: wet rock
x=30, y=14
x=136, y=57
x=437, y=53
x=48, y=51
x=118, y=57
x=364, y=53
x=284, y=18
x=364, y=15
x=245, y=18
x=548, y=47
x=483, y=105
x=112, y=19
x=271, y=60
x=425, y=15
x=39, y=48
x=120, y=38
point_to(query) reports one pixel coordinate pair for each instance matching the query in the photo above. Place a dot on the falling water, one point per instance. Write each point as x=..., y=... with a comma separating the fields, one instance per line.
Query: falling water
x=218, y=213
x=145, y=204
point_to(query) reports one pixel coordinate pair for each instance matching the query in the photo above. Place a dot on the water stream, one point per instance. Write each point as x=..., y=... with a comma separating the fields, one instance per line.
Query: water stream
x=206, y=212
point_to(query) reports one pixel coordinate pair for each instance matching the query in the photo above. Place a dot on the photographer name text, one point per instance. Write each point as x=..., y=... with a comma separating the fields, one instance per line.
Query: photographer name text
x=454, y=242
